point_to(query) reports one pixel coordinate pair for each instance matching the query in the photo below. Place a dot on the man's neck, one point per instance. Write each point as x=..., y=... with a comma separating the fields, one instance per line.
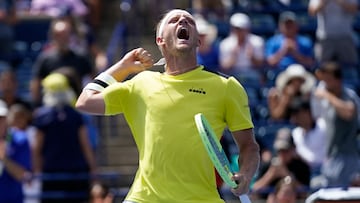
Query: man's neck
x=180, y=65
x=179, y=71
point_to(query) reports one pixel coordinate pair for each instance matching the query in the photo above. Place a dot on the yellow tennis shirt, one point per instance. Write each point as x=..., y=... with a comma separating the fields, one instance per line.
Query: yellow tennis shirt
x=173, y=164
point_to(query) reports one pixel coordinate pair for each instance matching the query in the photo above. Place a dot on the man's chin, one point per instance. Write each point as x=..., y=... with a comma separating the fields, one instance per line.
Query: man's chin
x=183, y=47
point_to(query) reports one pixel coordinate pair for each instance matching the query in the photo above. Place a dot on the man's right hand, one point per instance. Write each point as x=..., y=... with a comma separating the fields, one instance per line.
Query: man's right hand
x=134, y=61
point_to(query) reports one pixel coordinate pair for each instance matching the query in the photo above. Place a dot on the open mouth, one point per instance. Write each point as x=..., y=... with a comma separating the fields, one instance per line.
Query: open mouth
x=183, y=33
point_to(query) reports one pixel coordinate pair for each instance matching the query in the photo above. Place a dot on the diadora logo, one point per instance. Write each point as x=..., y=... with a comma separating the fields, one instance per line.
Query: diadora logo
x=197, y=90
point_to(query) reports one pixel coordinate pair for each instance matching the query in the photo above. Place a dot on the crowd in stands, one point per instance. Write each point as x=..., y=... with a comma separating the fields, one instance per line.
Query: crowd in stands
x=48, y=50
x=297, y=59
x=302, y=80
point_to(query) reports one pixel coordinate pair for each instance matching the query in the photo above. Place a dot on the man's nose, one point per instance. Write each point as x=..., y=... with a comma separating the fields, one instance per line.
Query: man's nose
x=183, y=20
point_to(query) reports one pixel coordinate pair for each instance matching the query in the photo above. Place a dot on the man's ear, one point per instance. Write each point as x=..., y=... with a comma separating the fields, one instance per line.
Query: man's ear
x=199, y=42
x=159, y=40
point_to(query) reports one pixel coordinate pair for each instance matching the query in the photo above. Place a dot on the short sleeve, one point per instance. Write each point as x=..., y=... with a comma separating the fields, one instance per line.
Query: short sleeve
x=237, y=111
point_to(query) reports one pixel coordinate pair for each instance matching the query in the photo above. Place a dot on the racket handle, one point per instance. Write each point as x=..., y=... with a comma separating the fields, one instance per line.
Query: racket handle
x=244, y=199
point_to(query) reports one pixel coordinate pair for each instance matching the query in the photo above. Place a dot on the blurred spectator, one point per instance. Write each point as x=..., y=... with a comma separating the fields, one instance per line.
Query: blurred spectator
x=95, y=11
x=15, y=160
x=83, y=24
x=73, y=78
x=89, y=120
x=83, y=40
x=288, y=46
x=294, y=5
x=285, y=191
x=337, y=104
x=59, y=55
x=100, y=194
x=8, y=18
x=335, y=34
x=58, y=125
x=241, y=52
x=19, y=120
x=286, y=163
x=266, y=152
x=309, y=135
x=56, y=8
x=9, y=89
x=23, y=7
x=292, y=85
x=214, y=10
x=208, y=51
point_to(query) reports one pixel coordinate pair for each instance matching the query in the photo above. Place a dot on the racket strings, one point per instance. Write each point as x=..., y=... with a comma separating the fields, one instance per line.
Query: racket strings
x=220, y=154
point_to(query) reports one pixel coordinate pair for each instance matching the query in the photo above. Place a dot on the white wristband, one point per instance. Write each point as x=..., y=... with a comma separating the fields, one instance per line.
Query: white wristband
x=105, y=77
x=94, y=86
x=100, y=82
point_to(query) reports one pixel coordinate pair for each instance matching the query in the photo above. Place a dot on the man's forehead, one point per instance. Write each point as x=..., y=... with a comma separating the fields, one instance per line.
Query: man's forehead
x=171, y=14
x=177, y=12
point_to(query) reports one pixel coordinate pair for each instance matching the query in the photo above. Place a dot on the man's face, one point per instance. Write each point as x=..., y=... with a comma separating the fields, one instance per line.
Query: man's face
x=289, y=28
x=332, y=84
x=241, y=33
x=8, y=83
x=301, y=117
x=178, y=32
x=285, y=155
x=62, y=33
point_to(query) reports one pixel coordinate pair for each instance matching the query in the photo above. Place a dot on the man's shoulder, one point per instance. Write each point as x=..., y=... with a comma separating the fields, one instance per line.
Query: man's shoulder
x=304, y=39
x=275, y=39
x=144, y=75
x=219, y=74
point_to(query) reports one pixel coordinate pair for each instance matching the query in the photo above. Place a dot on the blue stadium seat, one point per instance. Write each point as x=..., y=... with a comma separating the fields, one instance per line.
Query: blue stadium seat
x=351, y=77
x=263, y=93
x=30, y=36
x=270, y=75
x=32, y=29
x=307, y=23
x=262, y=111
x=266, y=131
x=223, y=28
x=24, y=75
x=253, y=94
x=263, y=24
x=295, y=5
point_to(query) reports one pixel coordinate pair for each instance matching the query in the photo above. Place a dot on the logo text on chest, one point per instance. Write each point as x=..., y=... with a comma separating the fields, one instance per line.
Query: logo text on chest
x=197, y=90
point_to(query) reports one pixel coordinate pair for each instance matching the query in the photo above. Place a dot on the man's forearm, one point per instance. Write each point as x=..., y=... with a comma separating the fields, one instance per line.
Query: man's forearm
x=249, y=160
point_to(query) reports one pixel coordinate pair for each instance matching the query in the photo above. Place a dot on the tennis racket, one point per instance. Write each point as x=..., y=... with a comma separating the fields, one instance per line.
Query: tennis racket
x=216, y=153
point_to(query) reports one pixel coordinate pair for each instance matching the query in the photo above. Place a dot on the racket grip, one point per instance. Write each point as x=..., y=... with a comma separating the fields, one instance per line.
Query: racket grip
x=244, y=199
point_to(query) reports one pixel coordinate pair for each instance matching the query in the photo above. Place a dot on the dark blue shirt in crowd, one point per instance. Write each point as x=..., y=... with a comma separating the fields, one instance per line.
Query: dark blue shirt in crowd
x=61, y=151
x=17, y=150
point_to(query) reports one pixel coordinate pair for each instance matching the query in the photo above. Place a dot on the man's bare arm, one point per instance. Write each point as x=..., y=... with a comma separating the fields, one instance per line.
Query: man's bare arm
x=249, y=158
x=92, y=101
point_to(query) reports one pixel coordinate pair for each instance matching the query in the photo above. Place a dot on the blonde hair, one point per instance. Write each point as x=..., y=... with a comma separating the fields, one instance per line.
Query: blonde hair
x=57, y=90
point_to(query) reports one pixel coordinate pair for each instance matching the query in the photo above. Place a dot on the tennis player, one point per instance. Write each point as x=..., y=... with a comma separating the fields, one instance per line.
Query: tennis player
x=160, y=107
